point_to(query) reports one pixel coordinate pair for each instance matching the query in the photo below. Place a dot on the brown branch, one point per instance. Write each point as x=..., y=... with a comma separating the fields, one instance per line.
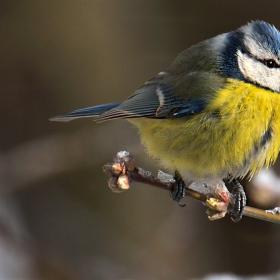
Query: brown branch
x=123, y=171
x=135, y=176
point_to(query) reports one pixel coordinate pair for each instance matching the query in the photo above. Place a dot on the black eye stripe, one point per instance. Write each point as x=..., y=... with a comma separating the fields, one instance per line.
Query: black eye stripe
x=270, y=63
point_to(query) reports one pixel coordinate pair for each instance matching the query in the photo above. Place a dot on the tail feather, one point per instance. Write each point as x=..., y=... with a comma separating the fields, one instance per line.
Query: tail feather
x=93, y=111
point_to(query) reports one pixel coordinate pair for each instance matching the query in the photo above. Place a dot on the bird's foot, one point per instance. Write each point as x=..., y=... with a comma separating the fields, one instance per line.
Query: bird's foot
x=179, y=191
x=239, y=201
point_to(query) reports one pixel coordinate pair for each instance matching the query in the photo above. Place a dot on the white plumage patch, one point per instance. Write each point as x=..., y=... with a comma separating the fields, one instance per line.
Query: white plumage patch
x=258, y=73
x=251, y=65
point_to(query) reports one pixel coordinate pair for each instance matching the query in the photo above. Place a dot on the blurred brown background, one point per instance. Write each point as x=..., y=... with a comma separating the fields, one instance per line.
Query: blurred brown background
x=58, y=218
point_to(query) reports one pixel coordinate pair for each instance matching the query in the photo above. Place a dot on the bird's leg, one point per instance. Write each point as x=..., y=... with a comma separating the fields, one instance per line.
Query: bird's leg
x=179, y=191
x=239, y=201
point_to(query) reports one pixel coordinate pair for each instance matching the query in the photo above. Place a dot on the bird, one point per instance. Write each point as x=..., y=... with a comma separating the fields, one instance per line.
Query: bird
x=214, y=113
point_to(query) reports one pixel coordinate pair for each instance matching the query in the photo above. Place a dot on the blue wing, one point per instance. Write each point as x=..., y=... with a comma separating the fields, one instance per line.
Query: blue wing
x=154, y=99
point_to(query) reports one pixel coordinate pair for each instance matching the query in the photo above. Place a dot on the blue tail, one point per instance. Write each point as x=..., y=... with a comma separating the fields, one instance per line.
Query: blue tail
x=93, y=111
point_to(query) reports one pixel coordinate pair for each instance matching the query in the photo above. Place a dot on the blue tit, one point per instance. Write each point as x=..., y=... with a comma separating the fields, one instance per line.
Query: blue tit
x=214, y=113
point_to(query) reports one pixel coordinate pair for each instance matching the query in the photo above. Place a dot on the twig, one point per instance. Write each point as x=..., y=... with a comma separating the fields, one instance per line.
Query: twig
x=123, y=171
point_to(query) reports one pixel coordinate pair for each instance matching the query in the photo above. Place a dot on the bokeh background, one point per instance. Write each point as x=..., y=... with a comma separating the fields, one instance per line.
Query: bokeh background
x=58, y=218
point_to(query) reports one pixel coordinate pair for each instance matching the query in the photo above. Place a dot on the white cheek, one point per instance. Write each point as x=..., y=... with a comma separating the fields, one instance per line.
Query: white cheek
x=258, y=73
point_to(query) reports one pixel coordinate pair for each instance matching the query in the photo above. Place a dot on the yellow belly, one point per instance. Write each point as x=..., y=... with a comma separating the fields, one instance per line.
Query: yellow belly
x=237, y=133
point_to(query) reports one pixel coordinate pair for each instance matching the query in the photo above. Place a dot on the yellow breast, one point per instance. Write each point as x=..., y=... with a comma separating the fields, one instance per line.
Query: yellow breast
x=238, y=132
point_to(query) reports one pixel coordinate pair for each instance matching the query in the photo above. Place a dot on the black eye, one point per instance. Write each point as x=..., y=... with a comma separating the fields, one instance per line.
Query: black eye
x=270, y=63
